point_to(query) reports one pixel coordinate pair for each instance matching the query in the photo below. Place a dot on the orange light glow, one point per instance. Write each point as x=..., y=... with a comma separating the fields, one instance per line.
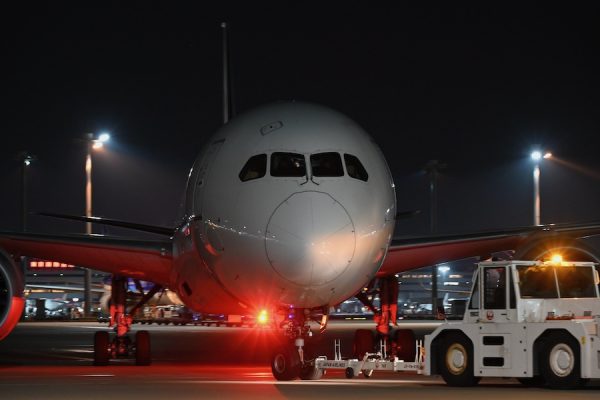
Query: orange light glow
x=263, y=317
x=557, y=258
x=49, y=264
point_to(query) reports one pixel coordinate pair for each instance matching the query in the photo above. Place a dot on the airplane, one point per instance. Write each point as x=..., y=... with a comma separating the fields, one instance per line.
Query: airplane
x=289, y=208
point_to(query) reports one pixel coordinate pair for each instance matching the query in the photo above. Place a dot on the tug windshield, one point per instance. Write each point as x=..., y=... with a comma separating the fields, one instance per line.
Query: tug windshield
x=552, y=282
x=574, y=282
x=537, y=282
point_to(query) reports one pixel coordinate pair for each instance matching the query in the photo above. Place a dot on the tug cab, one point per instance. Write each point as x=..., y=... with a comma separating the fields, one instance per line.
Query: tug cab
x=531, y=320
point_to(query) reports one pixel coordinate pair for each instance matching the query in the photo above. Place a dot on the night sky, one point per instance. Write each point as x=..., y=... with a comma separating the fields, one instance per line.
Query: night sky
x=475, y=87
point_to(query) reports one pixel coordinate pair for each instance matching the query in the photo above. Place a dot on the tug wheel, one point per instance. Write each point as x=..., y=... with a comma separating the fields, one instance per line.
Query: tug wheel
x=560, y=363
x=456, y=364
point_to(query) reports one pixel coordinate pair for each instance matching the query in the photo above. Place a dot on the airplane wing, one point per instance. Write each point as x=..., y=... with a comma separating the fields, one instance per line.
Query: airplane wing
x=410, y=253
x=148, y=260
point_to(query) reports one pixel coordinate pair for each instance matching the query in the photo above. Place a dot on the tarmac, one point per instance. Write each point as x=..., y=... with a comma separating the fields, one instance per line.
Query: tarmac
x=53, y=360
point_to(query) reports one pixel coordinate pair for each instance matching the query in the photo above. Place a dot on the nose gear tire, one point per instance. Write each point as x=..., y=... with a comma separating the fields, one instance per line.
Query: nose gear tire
x=285, y=363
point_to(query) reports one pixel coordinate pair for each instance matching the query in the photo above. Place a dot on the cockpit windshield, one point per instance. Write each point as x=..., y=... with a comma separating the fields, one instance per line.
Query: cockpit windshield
x=326, y=164
x=288, y=165
x=293, y=165
x=256, y=167
x=355, y=168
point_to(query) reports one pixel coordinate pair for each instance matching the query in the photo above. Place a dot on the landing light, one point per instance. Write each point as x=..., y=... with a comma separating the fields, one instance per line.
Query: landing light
x=556, y=258
x=263, y=317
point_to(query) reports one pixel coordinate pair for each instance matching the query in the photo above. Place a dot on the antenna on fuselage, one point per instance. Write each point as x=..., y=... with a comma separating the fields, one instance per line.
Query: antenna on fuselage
x=228, y=109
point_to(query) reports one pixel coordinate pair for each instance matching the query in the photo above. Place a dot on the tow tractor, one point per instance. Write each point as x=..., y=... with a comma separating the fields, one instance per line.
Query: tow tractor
x=530, y=320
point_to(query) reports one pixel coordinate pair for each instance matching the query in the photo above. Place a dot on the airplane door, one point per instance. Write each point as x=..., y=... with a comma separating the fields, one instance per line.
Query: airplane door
x=202, y=175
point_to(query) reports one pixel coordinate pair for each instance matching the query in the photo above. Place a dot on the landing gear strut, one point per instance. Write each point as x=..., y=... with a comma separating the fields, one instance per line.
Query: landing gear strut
x=291, y=359
x=402, y=343
x=121, y=345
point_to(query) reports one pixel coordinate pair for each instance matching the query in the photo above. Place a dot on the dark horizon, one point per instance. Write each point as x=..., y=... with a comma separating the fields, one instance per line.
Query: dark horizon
x=475, y=87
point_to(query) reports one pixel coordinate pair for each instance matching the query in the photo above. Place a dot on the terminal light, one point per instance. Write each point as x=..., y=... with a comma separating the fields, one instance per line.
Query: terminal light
x=548, y=155
x=28, y=159
x=536, y=155
x=36, y=264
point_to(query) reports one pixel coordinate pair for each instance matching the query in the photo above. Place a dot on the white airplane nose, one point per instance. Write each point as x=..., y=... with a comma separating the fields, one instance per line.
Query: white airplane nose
x=310, y=239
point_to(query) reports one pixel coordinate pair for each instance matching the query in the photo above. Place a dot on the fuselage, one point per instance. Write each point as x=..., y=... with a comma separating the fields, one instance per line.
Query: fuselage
x=288, y=205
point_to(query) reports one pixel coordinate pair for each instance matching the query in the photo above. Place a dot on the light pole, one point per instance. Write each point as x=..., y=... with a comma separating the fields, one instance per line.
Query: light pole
x=26, y=159
x=433, y=168
x=537, y=156
x=92, y=144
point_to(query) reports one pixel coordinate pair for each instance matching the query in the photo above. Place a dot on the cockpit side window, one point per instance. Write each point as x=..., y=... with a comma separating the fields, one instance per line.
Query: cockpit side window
x=256, y=167
x=355, y=168
x=288, y=164
x=326, y=164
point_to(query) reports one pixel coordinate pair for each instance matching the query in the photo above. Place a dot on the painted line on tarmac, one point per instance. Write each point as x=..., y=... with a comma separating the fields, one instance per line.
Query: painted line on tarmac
x=323, y=382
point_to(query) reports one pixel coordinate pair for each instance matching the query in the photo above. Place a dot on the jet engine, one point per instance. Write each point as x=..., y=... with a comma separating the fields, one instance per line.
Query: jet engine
x=11, y=294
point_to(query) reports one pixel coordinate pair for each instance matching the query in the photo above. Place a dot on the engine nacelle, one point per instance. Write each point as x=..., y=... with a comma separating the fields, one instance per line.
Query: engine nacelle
x=11, y=294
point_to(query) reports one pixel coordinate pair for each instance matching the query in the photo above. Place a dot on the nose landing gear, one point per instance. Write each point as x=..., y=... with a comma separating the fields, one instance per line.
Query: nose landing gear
x=292, y=358
x=121, y=345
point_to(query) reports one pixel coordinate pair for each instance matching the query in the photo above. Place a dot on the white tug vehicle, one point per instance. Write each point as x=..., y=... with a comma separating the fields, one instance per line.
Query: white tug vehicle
x=530, y=320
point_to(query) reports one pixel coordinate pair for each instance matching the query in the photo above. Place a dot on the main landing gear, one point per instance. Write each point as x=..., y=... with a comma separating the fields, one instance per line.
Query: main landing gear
x=293, y=357
x=121, y=346
x=399, y=343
